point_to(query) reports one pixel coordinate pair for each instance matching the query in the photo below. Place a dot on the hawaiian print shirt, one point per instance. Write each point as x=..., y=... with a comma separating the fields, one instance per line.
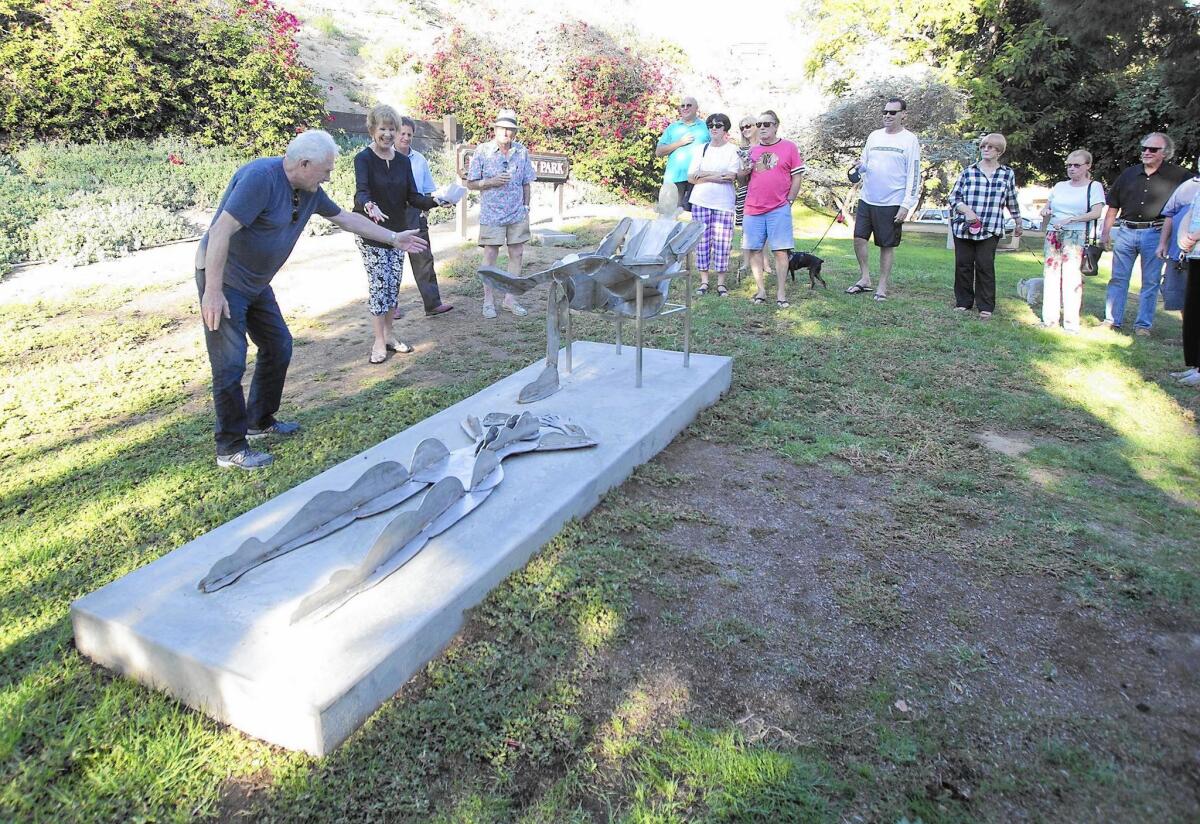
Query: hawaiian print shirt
x=505, y=205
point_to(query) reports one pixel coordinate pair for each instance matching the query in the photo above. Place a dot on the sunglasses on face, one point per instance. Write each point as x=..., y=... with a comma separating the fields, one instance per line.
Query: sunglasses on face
x=765, y=124
x=1152, y=149
x=295, y=205
x=717, y=126
x=745, y=126
x=886, y=112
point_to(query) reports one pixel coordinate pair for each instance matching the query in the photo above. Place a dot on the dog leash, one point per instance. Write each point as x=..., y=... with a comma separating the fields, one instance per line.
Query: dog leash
x=817, y=246
x=839, y=217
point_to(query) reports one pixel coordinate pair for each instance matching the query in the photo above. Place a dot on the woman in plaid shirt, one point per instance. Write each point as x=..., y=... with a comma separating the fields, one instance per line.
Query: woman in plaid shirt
x=977, y=201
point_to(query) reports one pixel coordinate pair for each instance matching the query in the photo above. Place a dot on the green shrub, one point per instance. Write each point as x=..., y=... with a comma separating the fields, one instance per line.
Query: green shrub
x=44, y=176
x=45, y=182
x=111, y=225
x=220, y=71
x=21, y=203
x=602, y=103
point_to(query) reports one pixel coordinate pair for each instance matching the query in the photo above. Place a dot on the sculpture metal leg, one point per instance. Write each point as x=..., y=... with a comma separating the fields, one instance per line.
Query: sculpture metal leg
x=687, y=321
x=620, y=321
x=568, y=340
x=638, y=369
x=547, y=382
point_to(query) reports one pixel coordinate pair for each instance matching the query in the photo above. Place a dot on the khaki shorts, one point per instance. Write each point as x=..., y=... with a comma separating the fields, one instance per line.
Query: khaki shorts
x=509, y=235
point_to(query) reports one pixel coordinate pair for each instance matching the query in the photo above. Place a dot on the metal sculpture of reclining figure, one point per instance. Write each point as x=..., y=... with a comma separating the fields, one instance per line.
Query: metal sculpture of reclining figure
x=457, y=481
x=603, y=281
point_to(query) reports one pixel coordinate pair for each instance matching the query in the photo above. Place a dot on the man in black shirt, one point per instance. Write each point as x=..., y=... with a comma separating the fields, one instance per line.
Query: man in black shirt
x=1135, y=204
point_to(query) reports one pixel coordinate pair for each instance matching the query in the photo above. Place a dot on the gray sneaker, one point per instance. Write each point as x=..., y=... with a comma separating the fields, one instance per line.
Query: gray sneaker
x=280, y=428
x=246, y=459
x=1191, y=380
x=1186, y=373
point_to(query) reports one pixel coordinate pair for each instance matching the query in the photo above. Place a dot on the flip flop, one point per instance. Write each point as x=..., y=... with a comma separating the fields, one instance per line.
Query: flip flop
x=399, y=346
x=857, y=289
x=782, y=304
x=377, y=358
x=759, y=300
x=880, y=297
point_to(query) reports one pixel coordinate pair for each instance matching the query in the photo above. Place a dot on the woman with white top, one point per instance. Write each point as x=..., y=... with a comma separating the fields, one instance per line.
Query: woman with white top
x=1189, y=244
x=712, y=173
x=1073, y=204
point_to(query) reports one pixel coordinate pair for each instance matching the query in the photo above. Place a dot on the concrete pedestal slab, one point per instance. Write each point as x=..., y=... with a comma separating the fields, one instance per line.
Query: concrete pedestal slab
x=235, y=655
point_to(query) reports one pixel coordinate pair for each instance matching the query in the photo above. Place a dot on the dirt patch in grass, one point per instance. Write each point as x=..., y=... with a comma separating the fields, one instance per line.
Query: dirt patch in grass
x=979, y=694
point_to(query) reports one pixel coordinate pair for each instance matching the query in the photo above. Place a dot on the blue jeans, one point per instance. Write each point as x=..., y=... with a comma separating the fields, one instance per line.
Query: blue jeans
x=1128, y=245
x=260, y=318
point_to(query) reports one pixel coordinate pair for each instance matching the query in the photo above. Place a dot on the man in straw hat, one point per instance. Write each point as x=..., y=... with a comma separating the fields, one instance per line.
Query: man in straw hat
x=501, y=172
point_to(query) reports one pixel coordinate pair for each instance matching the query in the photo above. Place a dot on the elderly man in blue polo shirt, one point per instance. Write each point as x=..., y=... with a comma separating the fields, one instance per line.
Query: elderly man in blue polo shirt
x=261, y=216
x=1135, y=204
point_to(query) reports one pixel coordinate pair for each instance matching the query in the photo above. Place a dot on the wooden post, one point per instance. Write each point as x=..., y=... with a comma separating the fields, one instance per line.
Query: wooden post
x=450, y=129
x=559, y=189
x=450, y=134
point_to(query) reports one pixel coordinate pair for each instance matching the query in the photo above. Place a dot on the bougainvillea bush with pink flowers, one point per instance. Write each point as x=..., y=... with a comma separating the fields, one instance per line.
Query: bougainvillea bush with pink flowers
x=219, y=71
x=583, y=94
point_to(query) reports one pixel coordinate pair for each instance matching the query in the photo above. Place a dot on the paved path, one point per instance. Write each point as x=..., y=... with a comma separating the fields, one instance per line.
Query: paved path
x=314, y=256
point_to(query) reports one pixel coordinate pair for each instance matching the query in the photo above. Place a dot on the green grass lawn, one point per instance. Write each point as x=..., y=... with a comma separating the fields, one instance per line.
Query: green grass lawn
x=106, y=464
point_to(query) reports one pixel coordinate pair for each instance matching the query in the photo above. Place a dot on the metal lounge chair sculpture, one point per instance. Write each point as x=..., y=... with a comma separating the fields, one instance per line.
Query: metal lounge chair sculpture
x=631, y=284
x=456, y=481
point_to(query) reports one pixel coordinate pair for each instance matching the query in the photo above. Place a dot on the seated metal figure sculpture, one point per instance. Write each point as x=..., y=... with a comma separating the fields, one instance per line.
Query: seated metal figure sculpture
x=457, y=481
x=630, y=284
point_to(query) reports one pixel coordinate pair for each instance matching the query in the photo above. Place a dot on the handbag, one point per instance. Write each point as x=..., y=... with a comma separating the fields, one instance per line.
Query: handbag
x=1090, y=263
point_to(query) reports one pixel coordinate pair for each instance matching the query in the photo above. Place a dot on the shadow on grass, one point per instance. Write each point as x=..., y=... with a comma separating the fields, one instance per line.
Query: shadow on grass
x=896, y=393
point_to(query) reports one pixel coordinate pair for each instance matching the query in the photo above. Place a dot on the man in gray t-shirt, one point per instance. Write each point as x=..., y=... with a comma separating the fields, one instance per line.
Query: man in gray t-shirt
x=261, y=215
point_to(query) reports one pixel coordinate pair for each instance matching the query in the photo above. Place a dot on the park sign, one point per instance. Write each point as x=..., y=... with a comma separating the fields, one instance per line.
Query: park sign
x=547, y=168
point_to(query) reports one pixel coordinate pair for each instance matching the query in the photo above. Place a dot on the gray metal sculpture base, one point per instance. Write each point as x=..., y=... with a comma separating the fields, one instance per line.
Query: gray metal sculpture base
x=299, y=650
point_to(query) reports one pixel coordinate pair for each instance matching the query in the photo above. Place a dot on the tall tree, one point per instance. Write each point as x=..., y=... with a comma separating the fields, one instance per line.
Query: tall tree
x=1162, y=37
x=1027, y=74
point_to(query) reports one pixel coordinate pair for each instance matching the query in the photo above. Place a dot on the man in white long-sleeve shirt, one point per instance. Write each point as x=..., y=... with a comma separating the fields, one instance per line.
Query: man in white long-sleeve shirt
x=890, y=169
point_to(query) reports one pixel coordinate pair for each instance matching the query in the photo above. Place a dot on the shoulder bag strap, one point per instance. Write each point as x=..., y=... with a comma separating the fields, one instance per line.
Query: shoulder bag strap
x=1089, y=232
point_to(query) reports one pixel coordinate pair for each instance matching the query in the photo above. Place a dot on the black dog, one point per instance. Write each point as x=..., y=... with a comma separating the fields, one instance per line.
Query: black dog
x=805, y=260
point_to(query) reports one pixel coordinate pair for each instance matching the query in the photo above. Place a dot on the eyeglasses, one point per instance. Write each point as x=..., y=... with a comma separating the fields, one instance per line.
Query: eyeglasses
x=295, y=205
x=717, y=126
x=766, y=125
x=1075, y=165
x=1152, y=149
x=886, y=112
